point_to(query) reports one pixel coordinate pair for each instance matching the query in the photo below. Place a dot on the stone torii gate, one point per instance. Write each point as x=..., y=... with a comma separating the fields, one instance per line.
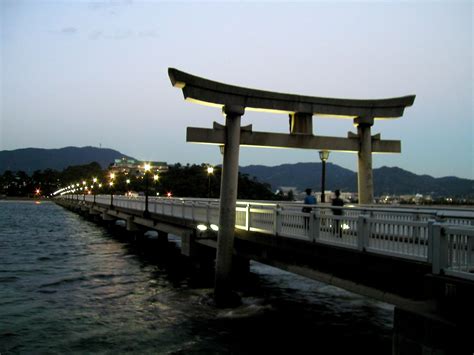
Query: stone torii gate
x=234, y=100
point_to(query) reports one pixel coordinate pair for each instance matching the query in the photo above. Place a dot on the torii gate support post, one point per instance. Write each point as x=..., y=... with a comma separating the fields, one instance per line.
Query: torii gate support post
x=365, y=179
x=223, y=294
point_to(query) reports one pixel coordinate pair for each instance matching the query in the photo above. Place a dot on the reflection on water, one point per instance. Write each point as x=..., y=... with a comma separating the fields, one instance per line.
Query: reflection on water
x=67, y=285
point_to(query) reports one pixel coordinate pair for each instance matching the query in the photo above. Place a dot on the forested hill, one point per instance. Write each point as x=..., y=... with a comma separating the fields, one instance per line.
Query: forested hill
x=387, y=180
x=32, y=159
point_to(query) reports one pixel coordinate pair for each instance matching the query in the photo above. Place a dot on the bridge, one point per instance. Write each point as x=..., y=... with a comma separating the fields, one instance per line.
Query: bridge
x=419, y=259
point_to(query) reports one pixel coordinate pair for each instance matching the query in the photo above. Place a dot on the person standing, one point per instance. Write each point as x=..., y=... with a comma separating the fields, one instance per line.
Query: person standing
x=309, y=199
x=337, y=202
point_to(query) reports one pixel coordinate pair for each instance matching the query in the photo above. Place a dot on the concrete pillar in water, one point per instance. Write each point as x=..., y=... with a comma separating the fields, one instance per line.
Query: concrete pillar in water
x=223, y=294
x=364, y=175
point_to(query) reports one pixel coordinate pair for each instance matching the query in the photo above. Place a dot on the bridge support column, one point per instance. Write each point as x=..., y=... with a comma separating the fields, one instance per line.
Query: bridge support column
x=130, y=225
x=223, y=294
x=365, y=180
x=162, y=237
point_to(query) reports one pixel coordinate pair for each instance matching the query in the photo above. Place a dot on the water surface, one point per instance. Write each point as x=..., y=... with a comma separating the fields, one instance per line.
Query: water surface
x=69, y=285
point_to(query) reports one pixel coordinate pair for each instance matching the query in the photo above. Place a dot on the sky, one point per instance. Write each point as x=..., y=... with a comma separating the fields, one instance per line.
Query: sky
x=87, y=73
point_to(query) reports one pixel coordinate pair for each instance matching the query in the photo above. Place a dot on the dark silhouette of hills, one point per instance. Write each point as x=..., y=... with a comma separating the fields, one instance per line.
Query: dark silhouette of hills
x=32, y=159
x=387, y=181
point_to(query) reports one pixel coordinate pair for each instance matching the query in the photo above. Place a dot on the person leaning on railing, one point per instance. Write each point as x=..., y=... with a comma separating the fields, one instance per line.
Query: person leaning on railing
x=337, y=202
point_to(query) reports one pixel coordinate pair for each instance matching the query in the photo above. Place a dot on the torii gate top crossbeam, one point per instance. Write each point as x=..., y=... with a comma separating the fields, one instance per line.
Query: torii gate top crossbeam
x=210, y=92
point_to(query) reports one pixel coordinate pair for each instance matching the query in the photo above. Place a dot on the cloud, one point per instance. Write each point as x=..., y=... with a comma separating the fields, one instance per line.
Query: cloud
x=68, y=30
x=120, y=34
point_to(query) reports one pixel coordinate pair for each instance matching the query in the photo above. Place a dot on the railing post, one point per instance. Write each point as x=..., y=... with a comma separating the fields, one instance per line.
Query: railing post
x=440, y=249
x=431, y=222
x=363, y=232
x=208, y=212
x=315, y=225
x=277, y=221
x=247, y=217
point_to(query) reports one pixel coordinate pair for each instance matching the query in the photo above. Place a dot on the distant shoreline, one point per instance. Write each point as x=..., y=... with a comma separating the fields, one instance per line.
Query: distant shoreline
x=19, y=198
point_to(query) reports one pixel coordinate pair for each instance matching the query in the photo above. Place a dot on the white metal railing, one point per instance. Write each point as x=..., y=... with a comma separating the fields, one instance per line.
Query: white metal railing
x=453, y=250
x=407, y=233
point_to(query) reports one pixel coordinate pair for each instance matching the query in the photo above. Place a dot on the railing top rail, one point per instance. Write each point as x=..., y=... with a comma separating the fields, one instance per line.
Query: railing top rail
x=457, y=229
x=440, y=212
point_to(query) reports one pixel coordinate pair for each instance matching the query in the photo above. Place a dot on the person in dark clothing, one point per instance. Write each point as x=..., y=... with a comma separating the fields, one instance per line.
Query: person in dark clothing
x=337, y=202
x=309, y=199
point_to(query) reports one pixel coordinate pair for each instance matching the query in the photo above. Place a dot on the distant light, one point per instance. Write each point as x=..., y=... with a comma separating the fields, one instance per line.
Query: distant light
x=210, y=170
x=111, y=183
x=168, y=194
x=214, y=227
x=155, y=177
x=202, y=227
x=100, y=185
x=94, y=180
x=83, y=182
x=147, y=167
x=345, y=226
x=38, y=191
x=127, y=181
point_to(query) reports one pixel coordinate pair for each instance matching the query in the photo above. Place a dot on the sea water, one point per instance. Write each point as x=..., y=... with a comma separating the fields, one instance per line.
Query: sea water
x=68, y=285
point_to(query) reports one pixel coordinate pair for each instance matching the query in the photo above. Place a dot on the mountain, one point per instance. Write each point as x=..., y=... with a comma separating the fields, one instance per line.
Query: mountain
x=387, y=180
x=31, y=159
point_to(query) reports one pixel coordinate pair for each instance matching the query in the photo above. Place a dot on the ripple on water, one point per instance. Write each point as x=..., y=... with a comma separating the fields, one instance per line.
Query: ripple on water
x=66, y=285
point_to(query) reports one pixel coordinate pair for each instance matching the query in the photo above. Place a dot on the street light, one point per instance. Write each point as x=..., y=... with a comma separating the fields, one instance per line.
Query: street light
x=111, y=184
x=85, y=190
x=147, y=168
x=323, y=155
x=210, y=171
x=94, y=181
x=155, y=179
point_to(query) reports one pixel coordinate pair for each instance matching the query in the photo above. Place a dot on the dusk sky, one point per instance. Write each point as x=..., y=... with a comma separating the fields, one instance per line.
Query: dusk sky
x=82, y=73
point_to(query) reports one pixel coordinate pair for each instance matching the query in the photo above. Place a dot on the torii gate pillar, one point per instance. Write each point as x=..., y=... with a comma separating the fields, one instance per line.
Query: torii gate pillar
x=228, y=199
x=365, y=179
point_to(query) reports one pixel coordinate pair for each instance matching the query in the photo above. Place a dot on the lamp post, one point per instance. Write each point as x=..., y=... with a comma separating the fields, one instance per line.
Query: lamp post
x=323, y=155
x=210, y=171
x=147, y=168
x=111, y=184
x=155, y=179
x=128, y=188
x=94, y=181
x=85, y=190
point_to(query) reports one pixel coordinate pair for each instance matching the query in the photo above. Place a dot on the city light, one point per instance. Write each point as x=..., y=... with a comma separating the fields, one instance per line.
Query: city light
x=155, y=177
x=146, y=167
x=214, y=227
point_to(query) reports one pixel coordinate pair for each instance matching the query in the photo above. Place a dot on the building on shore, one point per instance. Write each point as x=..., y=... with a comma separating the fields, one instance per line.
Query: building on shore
x=132, y=167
